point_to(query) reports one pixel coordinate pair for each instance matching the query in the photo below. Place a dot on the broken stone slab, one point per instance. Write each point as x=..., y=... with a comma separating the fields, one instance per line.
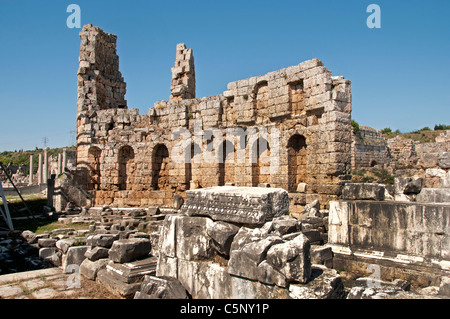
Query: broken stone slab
x=324, y=283
x=186, y=237
x=47, y=242
x=132, y=272
x=372, y=288
x=444, y=287
x=322, y=255
x=161, y=288
x=247, y=235
x=178, y=201
x=125, y=250
x=363, y=191
x=96, y=253
x=51, y=254
x=222, y=235
x=292, y=259
x=116, y=286
x=102, y=240
x=285, y=225
x=244, y=262
x=90, y=269
x=242, y=205
x=74, y=256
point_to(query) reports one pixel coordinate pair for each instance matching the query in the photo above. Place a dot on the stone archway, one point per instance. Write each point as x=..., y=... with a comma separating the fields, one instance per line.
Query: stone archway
x=160, y=167
x=260, y=156
x=296, y=161
x=126, y=167
x=226, y=163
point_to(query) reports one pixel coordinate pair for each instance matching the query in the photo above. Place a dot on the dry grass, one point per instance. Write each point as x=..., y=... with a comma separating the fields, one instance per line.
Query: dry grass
x=89, y=290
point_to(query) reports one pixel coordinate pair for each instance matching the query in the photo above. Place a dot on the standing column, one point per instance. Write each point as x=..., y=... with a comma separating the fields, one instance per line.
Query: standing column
x=30, y=171
x=59, y=164
x=45, y=170
x=40, y=170
x=64, y=160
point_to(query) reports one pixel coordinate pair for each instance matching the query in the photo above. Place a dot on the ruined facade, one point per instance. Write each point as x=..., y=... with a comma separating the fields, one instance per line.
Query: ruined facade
x=281, y=129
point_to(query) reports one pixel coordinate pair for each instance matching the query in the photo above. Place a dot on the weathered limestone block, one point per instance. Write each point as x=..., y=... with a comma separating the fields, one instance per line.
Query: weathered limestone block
x=90, y=269
x=444, y=160
x=47, y=242
x=186, y=237
x=102, y=240
x=116, y=286
x=51, y=254
x=285, y=225
x=244, y=205
x=74, y=256
x=434, y=195
x=244, y=262
x=134, y=271
x=161, y=288
x=324, y=283
x=363, y=191
x=192, y=240
x=292, y=259
x=222, y=235
x=125, y=250
x=96, y=253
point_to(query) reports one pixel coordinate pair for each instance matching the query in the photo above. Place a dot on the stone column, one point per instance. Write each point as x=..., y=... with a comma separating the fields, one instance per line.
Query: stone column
x=40, y=170
x=45, y=168
x=64, y=160
x=59, y=163
x=31, y=171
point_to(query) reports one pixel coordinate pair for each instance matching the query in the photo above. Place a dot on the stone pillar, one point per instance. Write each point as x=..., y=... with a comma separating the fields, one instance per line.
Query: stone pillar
x=59, y=164
x=30, y=171
x=64, y=160
x=183, y=74
x=45, y=168
x=40, y=170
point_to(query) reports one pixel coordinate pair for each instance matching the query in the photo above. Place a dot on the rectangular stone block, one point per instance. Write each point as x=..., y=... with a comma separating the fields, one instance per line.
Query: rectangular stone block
x=243, y=205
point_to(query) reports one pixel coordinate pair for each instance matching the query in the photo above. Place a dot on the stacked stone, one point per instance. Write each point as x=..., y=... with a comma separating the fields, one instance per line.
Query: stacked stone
x=129, y=261
x=369, y=149
x=247, y=257
x=183, y=74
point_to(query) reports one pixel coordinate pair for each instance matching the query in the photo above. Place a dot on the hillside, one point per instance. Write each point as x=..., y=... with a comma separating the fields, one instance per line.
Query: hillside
x=23, y=157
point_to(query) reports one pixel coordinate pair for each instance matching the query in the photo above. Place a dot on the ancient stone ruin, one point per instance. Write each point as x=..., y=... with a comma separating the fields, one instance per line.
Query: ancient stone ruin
x=246, y=194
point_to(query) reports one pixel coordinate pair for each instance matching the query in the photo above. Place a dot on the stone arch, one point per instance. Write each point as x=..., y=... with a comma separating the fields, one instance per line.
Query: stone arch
x=94, y=156
x=193, y=160
x=226, y=162
x=160, y=167
x=296, y=97
x=126, y=167
x=260, y=159
x=261, y=100
x=296, y=161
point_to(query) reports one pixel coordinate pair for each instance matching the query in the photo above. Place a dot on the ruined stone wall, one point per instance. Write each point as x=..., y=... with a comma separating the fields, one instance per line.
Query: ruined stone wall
x=286, y=127
x=430, y=161
x=369, y=149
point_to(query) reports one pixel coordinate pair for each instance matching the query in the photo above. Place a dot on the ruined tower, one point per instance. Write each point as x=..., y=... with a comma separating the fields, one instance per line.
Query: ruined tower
x=100, y=85
x=183, y=74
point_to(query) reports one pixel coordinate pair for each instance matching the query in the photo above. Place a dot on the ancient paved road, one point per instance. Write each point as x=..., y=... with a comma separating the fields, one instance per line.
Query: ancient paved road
x=50, y=283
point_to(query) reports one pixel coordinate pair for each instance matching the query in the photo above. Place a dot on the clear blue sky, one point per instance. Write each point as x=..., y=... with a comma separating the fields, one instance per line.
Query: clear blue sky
x=399, y=73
